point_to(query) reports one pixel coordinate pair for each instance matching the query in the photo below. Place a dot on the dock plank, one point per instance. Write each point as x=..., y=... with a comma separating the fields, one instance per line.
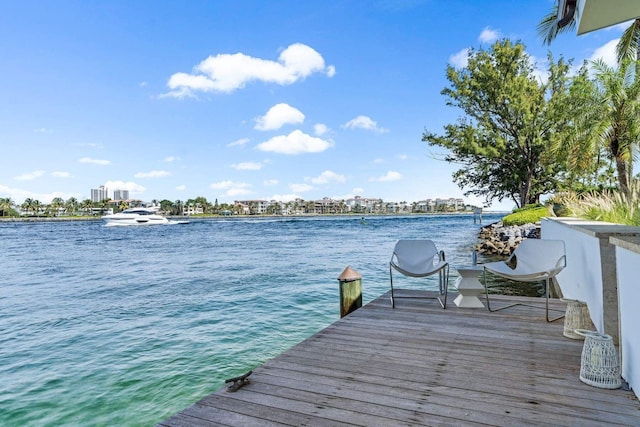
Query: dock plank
x=420, y=365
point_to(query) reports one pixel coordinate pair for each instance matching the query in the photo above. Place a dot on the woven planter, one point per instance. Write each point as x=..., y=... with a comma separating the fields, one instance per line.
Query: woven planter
x=576, y=317
x=600, y=366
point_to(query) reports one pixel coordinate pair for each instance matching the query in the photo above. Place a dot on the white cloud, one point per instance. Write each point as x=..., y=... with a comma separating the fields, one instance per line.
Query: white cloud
x=278, y=116
x=327, y=177
x=295, y=143
x=403, y=156
x=285, y=197
x=238, y=142
x=607, y=53
x=171, y=159
x=355, y=192
x=29, y=176
x=152, y=174
x=132, y=187
x=460, y=59
x=269, y=182
x=300, y=188
x=390, y=176
x=222, y=185
x=488, y=35
x=18, y=195
x=228, y=72
x=238, y=191
x=181, y=187
x=320, y=129
x=231, y=188
x=378, y=160
x=364, y=122
x=94, y=161
x=247, y=166
x=43, y=130
x=61, y=174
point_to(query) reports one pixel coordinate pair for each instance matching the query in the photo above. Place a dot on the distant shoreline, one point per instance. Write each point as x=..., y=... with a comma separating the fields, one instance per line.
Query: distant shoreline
x=181, y=217
x=48, y=219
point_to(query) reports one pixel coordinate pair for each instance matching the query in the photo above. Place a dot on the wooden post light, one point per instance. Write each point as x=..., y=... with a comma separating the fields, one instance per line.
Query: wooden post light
x=350, y=291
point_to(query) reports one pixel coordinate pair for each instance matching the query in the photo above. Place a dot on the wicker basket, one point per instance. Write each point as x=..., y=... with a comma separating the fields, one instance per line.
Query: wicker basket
x=576, y=317
x=600, y=366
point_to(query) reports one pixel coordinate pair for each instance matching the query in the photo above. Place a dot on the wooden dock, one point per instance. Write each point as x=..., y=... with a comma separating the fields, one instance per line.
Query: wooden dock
x=420, y=365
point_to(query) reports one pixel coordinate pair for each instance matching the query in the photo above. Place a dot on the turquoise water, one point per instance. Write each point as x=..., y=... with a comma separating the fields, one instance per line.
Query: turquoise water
x=128, y=325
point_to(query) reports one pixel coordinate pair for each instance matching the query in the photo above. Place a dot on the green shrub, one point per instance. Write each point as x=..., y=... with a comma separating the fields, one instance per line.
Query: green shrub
x=526, y=216
x=527, y=207
x=609, y=206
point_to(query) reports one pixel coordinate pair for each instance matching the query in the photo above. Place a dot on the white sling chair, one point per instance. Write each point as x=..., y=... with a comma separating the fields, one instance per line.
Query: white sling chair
x=534, y=260
x=419, y=258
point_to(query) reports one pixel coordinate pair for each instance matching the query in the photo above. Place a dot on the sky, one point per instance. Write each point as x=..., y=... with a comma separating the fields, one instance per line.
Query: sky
x=245, y=99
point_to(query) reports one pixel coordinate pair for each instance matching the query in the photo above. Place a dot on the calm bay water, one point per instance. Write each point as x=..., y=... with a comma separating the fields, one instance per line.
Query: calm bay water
x=128, y=325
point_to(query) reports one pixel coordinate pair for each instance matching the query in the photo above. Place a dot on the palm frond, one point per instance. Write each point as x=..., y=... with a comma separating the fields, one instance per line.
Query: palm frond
x=627, y=47
x=548, y=28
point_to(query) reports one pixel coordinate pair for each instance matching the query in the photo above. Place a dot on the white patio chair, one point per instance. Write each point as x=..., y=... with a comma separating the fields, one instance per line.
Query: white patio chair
x=419, y=258
x=534, y=260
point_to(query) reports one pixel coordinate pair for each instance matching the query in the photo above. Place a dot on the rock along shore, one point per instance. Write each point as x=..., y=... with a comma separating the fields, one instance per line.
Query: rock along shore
x=498, y=239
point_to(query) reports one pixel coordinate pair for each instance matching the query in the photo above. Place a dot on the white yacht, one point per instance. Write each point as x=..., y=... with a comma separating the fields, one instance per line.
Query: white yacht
x=135, y=216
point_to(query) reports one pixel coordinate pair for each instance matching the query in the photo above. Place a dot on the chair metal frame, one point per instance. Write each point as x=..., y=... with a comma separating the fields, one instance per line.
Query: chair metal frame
x=545, y=273
x=428, y=265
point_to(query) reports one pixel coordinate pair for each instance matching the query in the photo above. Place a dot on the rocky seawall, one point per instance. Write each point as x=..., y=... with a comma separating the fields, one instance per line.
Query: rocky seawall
x=498, y=239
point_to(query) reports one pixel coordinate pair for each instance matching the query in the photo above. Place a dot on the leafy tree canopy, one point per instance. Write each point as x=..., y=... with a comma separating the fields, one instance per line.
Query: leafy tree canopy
x=510, y=121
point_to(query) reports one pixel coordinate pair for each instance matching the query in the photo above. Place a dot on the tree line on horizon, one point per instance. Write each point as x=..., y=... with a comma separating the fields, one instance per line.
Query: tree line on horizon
x=87, y=207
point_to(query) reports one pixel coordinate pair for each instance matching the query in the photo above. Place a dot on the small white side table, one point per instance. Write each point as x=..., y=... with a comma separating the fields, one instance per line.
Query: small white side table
x=469, y=287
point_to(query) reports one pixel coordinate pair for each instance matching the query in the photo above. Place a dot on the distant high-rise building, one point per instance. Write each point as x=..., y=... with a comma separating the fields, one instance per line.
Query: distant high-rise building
x=120, y=194
x=99, y=194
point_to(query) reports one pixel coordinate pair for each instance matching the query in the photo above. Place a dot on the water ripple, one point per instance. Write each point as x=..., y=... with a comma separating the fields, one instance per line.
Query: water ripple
x=128, y=325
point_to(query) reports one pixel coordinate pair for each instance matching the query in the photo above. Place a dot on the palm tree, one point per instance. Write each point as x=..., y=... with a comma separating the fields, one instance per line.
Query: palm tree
x=71, y=205
x=6, y=204
x=619, y=108
x=628, y=47
x=34, y=206
x=26, y=205
x=31, y=206
x=55, y=205
x=548, y=27
x=104, y=205
x=86, y=205
x=610, y=120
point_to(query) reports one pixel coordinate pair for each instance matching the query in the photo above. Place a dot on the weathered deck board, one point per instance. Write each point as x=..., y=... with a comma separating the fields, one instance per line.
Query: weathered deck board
x=420, y=365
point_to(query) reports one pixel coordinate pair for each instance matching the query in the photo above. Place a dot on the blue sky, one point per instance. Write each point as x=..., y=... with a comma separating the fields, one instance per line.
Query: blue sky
x=236, y=100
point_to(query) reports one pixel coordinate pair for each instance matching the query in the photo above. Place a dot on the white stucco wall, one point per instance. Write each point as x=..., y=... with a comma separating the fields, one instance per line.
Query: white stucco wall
x=591, y=273
x=582, y=277
x=628, y=265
